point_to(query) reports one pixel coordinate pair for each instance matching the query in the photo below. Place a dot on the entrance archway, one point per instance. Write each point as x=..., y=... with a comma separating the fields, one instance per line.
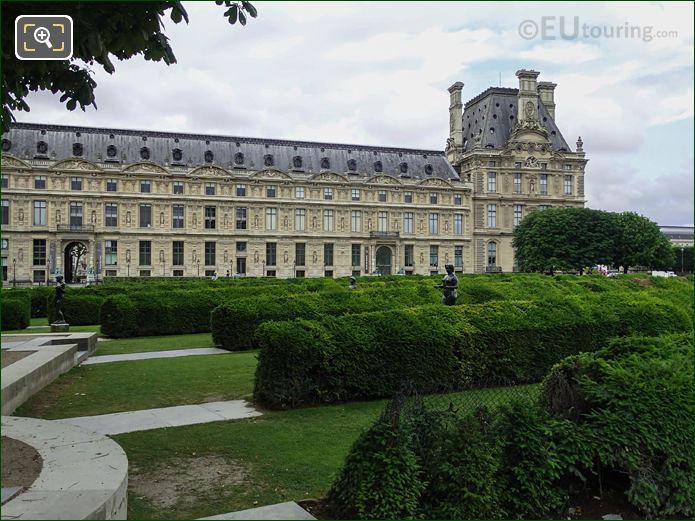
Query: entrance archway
x=383, y=260
x=75, y=262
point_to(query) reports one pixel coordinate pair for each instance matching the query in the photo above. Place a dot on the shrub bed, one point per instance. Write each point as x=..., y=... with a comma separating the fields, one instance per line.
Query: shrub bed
x=369, y=355
x=78, y=309
x=16, y=312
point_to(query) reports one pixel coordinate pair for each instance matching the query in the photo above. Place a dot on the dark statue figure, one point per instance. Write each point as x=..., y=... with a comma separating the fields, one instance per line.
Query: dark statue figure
x=449, y=285
x=353, y=282
x=58, y=303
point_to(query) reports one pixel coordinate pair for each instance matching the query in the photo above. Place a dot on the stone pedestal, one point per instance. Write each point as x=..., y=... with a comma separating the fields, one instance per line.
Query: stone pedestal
x=57, y=327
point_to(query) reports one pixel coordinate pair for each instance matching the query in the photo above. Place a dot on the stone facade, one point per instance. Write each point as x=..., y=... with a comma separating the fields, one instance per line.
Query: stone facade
x=143, y=203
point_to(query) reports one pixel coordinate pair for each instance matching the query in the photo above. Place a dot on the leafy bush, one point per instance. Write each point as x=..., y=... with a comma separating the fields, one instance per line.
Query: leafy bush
x=78, y=309
x=118, y=317
x=16, y=312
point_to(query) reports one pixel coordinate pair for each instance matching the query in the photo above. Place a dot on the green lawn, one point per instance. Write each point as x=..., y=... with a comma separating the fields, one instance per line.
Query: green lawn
x=154, y=343
x=46, y=328
x=144, y=384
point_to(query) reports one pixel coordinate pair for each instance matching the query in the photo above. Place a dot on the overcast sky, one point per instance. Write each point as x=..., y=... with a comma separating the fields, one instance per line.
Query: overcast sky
x=377, y=73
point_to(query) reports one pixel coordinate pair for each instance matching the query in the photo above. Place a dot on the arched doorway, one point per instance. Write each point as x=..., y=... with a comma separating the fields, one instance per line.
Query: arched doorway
x=383, y=260
x=75, y=262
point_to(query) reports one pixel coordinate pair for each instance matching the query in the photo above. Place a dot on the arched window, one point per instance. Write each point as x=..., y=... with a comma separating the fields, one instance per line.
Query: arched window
x=492, y=254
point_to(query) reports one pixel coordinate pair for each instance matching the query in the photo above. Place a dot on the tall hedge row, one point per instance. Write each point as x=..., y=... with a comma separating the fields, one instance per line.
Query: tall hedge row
x=16, y=312
x=78, y=309
x=234, y=323
x=370, y=355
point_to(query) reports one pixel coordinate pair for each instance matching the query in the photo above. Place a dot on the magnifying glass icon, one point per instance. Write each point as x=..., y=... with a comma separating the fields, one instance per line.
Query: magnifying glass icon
x=42, y=35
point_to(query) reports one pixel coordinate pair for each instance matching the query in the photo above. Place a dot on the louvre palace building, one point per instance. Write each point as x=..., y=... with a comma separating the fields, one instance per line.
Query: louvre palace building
x=114, y=203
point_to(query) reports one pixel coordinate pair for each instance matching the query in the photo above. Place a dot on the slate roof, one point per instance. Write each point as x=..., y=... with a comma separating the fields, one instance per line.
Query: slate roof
x=496, y=109
x=131, y=146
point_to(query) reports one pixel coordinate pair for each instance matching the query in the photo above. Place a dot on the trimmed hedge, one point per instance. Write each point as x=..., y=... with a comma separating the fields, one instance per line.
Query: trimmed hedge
x=16, y=312
x=370, y=355
x=234, y=323
x=78, y=309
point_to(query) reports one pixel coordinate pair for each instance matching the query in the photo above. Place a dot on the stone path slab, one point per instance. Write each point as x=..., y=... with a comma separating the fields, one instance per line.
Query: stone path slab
x=155, y=354
x=122, y=422
x=289, y=510
x=8, y=493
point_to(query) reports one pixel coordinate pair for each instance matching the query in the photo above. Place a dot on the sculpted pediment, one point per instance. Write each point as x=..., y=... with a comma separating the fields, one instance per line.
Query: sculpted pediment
x=148, y=168
x=213, y=171
x=271, y=174
x=13, y=162
x=329, y=177
x=75, y=164
x=436, y=182
x=383, y=180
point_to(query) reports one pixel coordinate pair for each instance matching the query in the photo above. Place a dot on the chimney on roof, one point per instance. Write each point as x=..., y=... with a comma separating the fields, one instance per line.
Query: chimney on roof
x=546, y=91
x=456, y=114
x=527, y=102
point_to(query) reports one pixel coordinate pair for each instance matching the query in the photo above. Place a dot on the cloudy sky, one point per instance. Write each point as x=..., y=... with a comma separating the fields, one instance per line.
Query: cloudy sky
x=377, y=73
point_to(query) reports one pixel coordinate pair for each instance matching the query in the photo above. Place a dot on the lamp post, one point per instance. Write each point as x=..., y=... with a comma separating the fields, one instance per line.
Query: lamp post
x=48, y=270
x=682, y=267
x=163, y=261
x=127, y=260
x=198, y=263
x=14, y=273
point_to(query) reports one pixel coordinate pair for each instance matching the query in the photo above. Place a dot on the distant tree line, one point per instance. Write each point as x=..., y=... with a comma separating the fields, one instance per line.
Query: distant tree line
x=573, y=239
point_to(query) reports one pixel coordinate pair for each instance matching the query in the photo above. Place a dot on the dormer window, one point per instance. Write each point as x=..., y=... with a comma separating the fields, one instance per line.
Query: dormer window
x=177, y=154
x=111, y=151
x=297, y=161
x=239, y=158
x=352, y=165
x=403, y=168
x=77, y=149
x=378, y=167
x=209, y=156
x=6, y=145
x=145, y=153
x=42, y=147
x=429, y=170
x=268, y=160
x=325, y=163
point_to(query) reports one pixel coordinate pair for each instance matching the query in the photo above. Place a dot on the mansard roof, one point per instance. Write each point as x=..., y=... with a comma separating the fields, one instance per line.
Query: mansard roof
x=98, y=145
x=496, y=109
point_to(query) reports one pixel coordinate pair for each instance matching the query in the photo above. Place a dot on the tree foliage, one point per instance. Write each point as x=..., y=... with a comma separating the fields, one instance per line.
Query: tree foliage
x=682, y=259
x=567, y=239
x=641, y=243
x=101, y=31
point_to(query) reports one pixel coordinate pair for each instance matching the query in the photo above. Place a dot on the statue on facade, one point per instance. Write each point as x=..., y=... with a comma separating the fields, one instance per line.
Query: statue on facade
x=58, y=302
x=449, y=285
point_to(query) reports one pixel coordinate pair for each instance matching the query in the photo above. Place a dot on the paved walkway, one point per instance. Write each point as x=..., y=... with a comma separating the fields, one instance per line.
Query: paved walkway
x=289, y=510
x=155, y=354
x=121, y=422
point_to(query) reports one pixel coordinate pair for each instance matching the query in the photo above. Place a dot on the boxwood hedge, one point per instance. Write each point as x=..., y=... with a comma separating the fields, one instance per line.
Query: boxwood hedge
x=78, y=309
x=370, y=355
x=16, y=312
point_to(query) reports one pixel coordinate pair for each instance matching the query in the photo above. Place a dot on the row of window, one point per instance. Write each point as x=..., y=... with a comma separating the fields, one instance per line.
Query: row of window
x=76, y=218
x=271, y=191
x=543, y=181
x=518, y=214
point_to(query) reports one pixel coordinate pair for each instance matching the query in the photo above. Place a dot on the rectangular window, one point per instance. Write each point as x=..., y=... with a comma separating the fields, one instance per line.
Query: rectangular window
x=544, y=166
x=241, y=247
x=409, y=255
x=178, y=187
x=328, y=194
x=517, y=183
x=299, y=192
x=39, y=276
x=491, y=163
x=145, y=250
x=356, y=220
x=408, y=222
x=75, y=214
x=568, y=185
x=355, y=194
x=492, y=216
x=328, y=224
x=241, y=265
x=492, y=254
x=241, y=218
x=543, y=206
x=241, y=190
x=517, y=164
x=111, y=253
x=567, y=167
x=111, y=185
x=110, y=214
x=5, y=211
x=382, y=196
x=40, y=182
x=5, y=182
x=458, y=224
x=177, y=216
x=177, y=273
x=40, y=213
x=458, y=200
x=491, y=182
x=356, y=255
x=407, y=197
x=145, y=216
x=517, y=214
x=210, y=248
x=145, y=273
x=434, y=223
x=544, y=184
x=458, y=257
x=382, y=224
x=270, y=254
x=145, y=187
x=434, y=256
x=300, y=254
x=271, y=219
x=75, y=183
x=210, y=217
x=433, y=198
x=39, y=252
x=328, y=254
x=270, y=191
x=210, y=189
x=300, y=219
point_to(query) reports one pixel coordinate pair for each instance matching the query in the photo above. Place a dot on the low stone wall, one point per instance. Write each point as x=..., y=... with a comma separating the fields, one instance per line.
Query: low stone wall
x=84, y=474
